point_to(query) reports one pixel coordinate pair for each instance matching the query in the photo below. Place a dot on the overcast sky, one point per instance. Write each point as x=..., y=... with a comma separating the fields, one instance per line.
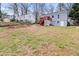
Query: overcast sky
x=9, y=11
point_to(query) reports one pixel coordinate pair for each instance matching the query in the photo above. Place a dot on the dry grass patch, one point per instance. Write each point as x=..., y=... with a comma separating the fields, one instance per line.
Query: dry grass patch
x=39, y=40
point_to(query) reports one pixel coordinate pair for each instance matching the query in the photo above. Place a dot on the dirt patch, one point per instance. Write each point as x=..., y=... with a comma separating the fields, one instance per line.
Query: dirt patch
x=52, y=50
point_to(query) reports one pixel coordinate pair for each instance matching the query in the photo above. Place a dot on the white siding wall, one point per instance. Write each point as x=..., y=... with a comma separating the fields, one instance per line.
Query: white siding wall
x=61, y=21
x=63, y=16
x=28, y=17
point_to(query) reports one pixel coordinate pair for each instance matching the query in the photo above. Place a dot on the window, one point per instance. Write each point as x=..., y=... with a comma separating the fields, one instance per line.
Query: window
x=57, y=21
x=52, y=16
x=58, y=16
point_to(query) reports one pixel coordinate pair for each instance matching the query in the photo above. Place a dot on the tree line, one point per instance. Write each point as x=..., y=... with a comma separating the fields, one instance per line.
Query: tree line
x=74, y=13
x=36, y=8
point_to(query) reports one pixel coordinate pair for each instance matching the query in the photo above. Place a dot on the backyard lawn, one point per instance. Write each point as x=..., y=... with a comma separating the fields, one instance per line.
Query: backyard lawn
x=39, y=40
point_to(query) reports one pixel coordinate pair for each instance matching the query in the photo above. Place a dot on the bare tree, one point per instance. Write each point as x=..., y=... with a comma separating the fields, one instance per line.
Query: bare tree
x=61, y=6
x=24, y=8
x=41, y=8
x=69, y=6
x=19, y=9
x=50, y=9
x=36, y=11
x=0, y=12
x=66, y=6
x=15, y=9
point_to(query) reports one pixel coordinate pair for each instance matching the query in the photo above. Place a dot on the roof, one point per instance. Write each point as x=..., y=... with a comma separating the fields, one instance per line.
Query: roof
x=60, y=11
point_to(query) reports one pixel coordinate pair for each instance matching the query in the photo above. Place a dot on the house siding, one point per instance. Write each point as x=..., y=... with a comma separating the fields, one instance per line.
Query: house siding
x=60, y=18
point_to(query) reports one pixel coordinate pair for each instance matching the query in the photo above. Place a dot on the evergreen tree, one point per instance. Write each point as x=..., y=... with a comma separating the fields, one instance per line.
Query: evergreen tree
x=74, y=13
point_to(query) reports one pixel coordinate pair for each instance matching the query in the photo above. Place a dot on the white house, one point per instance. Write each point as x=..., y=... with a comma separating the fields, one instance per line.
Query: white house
x=59, y=18
x=25, y=18
x=6, y=20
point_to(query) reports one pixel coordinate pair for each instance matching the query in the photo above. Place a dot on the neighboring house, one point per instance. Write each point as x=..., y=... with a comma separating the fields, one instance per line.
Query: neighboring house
x=60, y=18
x=21, y=18
x=26, y=18
x=7, y=18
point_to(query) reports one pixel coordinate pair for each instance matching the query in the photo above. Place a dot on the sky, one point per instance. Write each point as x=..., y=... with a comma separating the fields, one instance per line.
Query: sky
x=10, y=12
x=5, y=9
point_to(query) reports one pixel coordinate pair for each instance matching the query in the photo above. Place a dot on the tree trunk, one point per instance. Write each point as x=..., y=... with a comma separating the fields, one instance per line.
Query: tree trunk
x=0, y=13
x=15, y=8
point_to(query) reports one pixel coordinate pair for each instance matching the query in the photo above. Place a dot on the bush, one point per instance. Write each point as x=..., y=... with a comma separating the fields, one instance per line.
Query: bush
x=12, y=20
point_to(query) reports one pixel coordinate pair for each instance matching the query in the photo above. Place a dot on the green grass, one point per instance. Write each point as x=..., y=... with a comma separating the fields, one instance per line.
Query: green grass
x=2, y=29
x=63, y=37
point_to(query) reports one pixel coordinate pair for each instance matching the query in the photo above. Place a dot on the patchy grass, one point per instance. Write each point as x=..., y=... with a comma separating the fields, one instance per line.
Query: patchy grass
x=39, y=40
x=2, y=29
